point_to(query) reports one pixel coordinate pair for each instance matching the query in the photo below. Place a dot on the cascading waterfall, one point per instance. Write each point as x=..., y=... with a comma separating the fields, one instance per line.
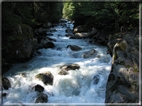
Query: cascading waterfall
x=76, y=87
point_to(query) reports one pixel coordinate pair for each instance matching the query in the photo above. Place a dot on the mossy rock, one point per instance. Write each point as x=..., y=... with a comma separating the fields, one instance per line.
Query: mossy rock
x=122, y=46
x=46, y=78
x=135, y=69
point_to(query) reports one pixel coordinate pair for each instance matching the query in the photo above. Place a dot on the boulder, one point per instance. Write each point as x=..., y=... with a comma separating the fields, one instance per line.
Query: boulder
x=39, y=88
x=79, y=28
x=123, y=81
x=25, y=50
x=69, y=35
x=68, y=30
x=41, y=31
x=46, y=43
x=6, y=83
x=75, y=37
x=82, y=35
x=89, y=53
x=96, y=79
x=70, y=66
x=100, y=37
x=63, y=72
x=47, y=25
x=46, y=78
x=4, y=94
x=74, y=47
x=42, y=98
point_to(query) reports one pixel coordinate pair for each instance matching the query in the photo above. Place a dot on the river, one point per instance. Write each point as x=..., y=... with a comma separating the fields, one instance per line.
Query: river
x=76, y=87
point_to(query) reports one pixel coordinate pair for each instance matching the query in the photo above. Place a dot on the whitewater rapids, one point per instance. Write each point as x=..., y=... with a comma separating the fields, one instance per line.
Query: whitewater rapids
x=76, y=87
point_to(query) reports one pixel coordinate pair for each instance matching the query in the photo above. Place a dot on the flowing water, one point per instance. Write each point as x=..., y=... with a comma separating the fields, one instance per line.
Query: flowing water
x=76, y=87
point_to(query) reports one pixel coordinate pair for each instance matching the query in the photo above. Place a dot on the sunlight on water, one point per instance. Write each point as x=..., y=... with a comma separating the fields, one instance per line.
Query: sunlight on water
x=76, y=87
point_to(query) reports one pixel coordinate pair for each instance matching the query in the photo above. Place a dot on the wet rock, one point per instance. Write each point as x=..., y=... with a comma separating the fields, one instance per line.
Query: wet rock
x=74, y=47
x=39, y=88
x=6, y=83
x=45, y=43
x=63, y=72
x=71, y=66
x=49, y=45
x=42, y=98
x=4, y=94
x=49, y=34
x=89, y=53
x=52, y=30
x=68, y=30
x=23, y=74
x=96, y=79
x=46, y=78
x=75, y=37
x=69, y=35
x=79, y=28
x=82, y=35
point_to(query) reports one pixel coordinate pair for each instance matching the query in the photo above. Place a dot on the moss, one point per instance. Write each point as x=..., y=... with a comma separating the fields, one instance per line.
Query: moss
x=115, y=56
x=122, y=46
x=116, y=35
x=23, y=31
x=134, y=86
x=40, y=76
x=135, y=69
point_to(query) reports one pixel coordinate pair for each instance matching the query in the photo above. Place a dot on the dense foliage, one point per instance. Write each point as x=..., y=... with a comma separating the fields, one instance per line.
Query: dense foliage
x=19, y=19
x=103, y=15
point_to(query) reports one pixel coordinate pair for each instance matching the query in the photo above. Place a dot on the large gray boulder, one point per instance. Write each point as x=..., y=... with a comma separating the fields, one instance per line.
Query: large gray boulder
x=123, y=81
x=26, y=49
x=46, y=78
x=42, y=98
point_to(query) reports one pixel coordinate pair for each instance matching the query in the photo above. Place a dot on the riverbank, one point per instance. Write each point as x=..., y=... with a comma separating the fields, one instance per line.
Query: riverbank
x=76, y=71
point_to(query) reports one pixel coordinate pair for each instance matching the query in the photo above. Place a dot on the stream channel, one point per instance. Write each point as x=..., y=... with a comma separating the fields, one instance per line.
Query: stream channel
x=76, y=87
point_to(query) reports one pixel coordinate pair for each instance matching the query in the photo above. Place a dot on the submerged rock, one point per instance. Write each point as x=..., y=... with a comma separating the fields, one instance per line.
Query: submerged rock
x=68, y=30
x=6, y=83
x=45, y=43
x=42, y=98
x=71, y=66
x=74, y=47
x=89, y=53
x=96, y=79
x=63, y=72
x=46, y=78
x=69, y=35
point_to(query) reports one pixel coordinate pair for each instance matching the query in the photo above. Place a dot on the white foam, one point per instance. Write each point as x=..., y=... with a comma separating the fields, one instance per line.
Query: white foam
x=76, y=87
